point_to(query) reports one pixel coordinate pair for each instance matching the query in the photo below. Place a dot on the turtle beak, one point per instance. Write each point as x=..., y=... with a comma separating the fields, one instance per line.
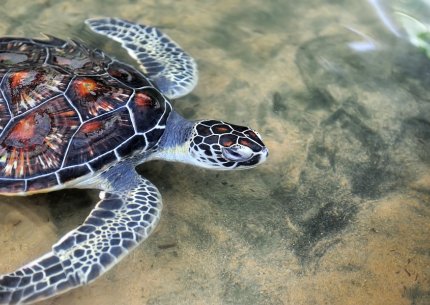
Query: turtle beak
x=264, y=154
x=255, y=160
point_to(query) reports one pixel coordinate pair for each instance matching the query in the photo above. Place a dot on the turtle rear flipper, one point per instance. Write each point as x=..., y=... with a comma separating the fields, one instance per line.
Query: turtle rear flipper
x=163, y=61
x=126, y=214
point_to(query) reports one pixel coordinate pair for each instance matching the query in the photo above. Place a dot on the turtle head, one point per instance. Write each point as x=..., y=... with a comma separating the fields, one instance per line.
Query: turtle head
x=224, y=146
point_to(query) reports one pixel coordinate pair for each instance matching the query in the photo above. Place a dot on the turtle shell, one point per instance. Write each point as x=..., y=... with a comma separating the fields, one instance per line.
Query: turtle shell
x=67, y=112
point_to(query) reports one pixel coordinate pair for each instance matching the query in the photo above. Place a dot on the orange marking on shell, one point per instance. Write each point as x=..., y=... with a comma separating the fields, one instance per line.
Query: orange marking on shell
x=17, y=78
x=29, y=131
x=24, y=130
x=143, y=100
x=85, y=86
x=91, y=126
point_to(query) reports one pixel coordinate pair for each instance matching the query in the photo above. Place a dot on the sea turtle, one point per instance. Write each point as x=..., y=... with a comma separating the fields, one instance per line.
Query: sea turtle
x=73, y=117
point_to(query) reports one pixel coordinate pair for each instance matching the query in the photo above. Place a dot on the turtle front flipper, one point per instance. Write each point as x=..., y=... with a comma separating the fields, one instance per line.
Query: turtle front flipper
x=172, y=70
x=126, y=214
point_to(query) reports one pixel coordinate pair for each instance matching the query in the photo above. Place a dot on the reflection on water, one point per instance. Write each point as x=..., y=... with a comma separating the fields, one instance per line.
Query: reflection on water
x=340, y=212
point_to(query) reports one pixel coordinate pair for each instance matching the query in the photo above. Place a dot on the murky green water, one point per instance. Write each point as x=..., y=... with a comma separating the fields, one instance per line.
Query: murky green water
x=340, y=212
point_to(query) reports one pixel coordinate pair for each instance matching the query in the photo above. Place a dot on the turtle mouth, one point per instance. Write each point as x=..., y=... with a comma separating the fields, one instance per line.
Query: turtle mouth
x=254, y=160
x=264, y=154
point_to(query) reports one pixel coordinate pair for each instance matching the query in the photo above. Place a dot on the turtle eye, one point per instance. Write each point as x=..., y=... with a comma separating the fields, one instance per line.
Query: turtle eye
x=237, y=153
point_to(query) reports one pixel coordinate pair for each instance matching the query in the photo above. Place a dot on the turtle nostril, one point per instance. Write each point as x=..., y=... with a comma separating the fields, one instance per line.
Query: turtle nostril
x=237, y=152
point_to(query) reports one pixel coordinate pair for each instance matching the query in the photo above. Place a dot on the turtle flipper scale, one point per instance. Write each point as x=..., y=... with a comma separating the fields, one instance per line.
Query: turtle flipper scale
x=172, y=70
x=124, y=217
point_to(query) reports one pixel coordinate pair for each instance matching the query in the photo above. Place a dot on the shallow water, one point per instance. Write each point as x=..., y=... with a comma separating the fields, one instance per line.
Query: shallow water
x=339, y=214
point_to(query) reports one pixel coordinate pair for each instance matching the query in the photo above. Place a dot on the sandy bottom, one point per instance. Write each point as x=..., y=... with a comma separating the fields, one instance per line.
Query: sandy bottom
x=340, y=212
